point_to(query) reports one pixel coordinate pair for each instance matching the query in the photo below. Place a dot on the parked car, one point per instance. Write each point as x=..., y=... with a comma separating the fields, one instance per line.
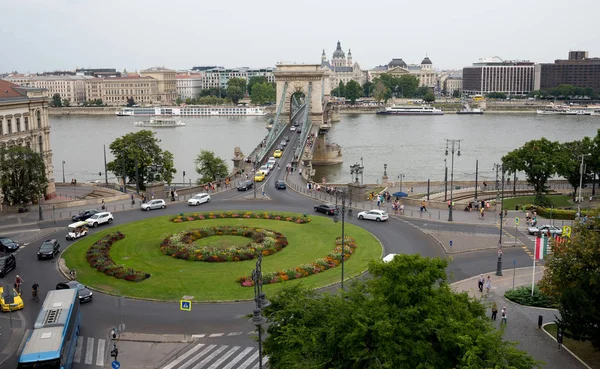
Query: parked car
x=245, y=185
x=278, y=153
x=200, y=198
x=7, y=263
x=154, y=204
x=100, y=218
x=328, y=209
x=280, y=185
x=8, y=244
x=85, y=295
x=48, y=249
x=283, y=143
x=376, y=215
x=259, y=176
x=17, y=303
x=544, y=229
x=84, y=215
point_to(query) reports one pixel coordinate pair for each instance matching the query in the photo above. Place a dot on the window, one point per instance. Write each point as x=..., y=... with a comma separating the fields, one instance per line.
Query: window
x=9, y=125
x=18, y=124
x=41, y=144
x=39, y=118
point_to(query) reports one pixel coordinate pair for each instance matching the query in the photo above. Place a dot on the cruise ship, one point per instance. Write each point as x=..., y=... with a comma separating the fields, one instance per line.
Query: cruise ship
x=411, y=110
x=192, y=110
x=569, y=110
x=160, y=123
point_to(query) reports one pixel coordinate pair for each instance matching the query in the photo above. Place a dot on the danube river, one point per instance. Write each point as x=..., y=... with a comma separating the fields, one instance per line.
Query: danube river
x=409, y=145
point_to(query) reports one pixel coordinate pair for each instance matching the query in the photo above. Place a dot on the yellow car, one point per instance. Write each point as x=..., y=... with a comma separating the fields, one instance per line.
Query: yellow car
x=277, y=153
x=16, y=305
x=259, y=177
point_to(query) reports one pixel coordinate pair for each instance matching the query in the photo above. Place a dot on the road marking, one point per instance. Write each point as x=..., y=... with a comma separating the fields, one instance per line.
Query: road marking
x=216, y=335
x=100, y=353
x=198, y=356
x=210, y=357
x=89, y=351
x=264, y=362
x=235, y=333
x=183, y=357
x=250, y=360
x=198, y=336
x=77, y=357
x=238, y=357
x=216, y=364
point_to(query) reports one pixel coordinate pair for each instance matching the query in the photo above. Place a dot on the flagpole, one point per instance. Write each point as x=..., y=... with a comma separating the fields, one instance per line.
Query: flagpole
x=533, y=277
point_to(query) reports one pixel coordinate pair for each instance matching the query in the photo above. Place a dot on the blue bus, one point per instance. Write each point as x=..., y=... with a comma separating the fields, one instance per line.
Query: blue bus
x=52, y=342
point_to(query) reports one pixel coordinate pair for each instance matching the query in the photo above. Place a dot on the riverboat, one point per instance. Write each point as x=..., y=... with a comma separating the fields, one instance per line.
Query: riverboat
x=192, y=110
x=467, y=110
x=569, y=110
x=411, y=110
x=160, y=123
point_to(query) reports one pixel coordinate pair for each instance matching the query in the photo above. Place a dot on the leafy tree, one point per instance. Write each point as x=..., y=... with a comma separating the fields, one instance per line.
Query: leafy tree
x=66, y=102
x=429, y=97
x=56, y=100
x=456, y=93
x=262, y=93
x=131, y=101
x=408, y=84
x=255, y=81
x=210, y=167
x=141, y=148
x=98, y=102
x=353, y=91
x=569, y=161
x=340, y=90
x=537, y=158
x=571, y=277
x=367, y=89
x=210, y=100
x=405, y=315
x=380, y=91
x=421, y=91
x=236, y=89
x=594, y=160
x=22, y=175
x=496, y=95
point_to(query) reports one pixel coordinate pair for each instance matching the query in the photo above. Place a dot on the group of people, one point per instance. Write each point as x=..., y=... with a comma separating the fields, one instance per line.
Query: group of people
x=482, y=283
x=398, y=207
x=19, y=282
x=73, y=182
x=310, y=140
x=531, y=218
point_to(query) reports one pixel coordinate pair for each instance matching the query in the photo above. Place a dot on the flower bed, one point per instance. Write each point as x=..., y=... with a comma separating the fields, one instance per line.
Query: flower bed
x=264, y=241
x=330, y=261
x=98, y=257
x=246, y=215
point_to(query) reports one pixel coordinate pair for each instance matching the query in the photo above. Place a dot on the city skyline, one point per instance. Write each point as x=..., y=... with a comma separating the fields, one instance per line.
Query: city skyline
x=67, y=34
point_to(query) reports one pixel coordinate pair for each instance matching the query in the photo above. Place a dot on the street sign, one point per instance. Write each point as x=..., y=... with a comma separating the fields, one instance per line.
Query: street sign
x=185, y=305
x=116, y=365
x=566, y=231
x=450, y=243
x=499, y=251
x=517, y=220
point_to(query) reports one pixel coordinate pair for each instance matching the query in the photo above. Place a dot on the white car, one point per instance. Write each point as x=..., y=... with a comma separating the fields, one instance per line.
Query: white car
x=292, y=128
x=376, y=215
x=200, y=198
x=154, y=204
x=265, y=169
x=100, y=218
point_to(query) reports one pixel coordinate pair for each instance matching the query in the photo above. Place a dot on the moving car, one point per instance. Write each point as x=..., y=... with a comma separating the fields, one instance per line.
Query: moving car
x=84, y=215
x=200, y=198
x=84, y=293
x=328, y=209
x=278, y=153
x=292, y=128
x=244, y=185
x=154, y=204
x=259, y=176
x=544, y=229
x=265, y=169
x=376, y=215
x=389, y=257
x=76, y=230
x=283, y=143
x=286, y=138
x=48, y=249
x=7, y=263
x=17, y=303
x=100, y=218
x=280, y=185
x=7, y=244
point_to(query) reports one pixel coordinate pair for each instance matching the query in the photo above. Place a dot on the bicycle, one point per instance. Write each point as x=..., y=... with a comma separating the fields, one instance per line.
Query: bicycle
x=34, y=294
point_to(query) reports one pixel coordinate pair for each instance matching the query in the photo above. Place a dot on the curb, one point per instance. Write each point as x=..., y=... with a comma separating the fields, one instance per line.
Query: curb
x=155, y=338
x=563, y=346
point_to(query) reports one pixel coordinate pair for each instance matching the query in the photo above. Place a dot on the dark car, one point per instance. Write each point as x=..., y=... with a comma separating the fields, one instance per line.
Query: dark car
x=286, y=138
x=280, y=185
x=84, y=293
x=7, y=263
x=245, y=185
x=84, y=215
x=283, y=143
x=328, y=209
x=8, y=245
x=48, y=249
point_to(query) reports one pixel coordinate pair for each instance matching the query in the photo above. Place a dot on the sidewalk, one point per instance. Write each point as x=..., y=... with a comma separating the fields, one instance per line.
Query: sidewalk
x=522, y=325
x=10, y=338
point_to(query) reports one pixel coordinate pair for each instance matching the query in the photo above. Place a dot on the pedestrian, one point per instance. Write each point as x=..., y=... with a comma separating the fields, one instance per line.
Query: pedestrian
x=482, y=204
x=488, y=285
x=424, y=205
x=480, y=282
x=494, y=311
x=481, y=212
x=401, y=209
x=152, y=195
x=504, y=315
x=378, y=202
x=103, y=205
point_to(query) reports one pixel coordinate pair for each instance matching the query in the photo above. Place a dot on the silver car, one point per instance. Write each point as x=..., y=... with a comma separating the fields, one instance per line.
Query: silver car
x=544, y=229
x=154, y=204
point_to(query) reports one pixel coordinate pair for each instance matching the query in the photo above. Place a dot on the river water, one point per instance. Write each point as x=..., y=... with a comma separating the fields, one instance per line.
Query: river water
x=409, y=145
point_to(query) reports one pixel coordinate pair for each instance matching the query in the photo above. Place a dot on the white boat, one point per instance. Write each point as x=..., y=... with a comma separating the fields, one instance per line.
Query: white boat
x=160, y=123
x=411, y=110
x=193, y=110
x=568, y=110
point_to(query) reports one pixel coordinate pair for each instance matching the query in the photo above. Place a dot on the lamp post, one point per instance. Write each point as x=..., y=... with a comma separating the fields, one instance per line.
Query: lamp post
x=63, y=170
x=499, y=263
x=385, y=170
x=342, y=195
x=254, y=174
x=355, y=170
x=184, y=178
x=445, y=179
x=260, y=303
x=581, y=170
x=497, y=167
x=362, y=166
x=401, y=176
x=454, y=146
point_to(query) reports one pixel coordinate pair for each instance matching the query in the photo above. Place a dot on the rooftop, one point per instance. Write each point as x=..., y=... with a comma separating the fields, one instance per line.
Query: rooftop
x=9, y=90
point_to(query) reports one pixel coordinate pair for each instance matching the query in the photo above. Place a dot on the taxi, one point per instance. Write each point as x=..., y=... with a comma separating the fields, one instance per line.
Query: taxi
x=259, y=177
x=16, y=305
x=277, y=153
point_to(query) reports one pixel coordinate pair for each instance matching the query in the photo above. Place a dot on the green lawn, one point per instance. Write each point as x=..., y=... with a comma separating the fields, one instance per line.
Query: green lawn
x=223, y=241
x=174, y=278
x=584, y=350
x=559, y=201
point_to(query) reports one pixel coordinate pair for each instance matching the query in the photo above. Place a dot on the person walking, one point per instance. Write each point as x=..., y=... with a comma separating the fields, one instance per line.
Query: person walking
x=480, y=282
x=504, y=315
x=488, y=285
x=401, y=209
x=424, y=205
x=494, y=311
x=481, y=212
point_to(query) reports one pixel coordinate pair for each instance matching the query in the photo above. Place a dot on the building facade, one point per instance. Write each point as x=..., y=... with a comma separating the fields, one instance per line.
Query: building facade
x=579, y=70
x=68, y=87
x=24, y=122
x=453, y=83
x=167, y=85
x=116, y=91
x=189, y=85
x=489, y=75
x=397, y=67
x=219, y=76
x=341, y=68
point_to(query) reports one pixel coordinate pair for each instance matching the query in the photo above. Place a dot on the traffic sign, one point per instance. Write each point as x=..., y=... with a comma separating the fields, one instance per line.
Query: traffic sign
x=116, y=365
x=499, y=251
x=517, y=220
x=450, y=243
x=185, y=305
x=566, y=231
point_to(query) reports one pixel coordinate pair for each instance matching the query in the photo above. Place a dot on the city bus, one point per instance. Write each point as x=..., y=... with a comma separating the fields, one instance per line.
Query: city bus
x=52, y=342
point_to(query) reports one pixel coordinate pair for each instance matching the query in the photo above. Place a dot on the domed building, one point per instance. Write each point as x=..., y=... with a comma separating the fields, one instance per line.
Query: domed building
x=398, y=67
x=341, y=68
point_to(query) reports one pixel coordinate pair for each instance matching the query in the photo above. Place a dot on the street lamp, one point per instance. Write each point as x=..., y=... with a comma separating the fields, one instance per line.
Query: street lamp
x=184, y=178
x=455, y=146
x=401, y=176
x=254, y=174
x=445, y=179
x=260, y=303
x=356, y=169
x=342, y=196
x=63, y=170
x=581, y=170
x=385, y=170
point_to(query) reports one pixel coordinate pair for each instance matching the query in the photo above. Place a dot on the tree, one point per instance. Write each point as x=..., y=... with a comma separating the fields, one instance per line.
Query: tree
x=210, y=100
x=353, y=91
x=571, y=277
x=407, y=84
x=141, y=148
x=429, y=97
x=66, y=102
x=569, y=161
x=98, y=102
x=131, y=101
x=210, y=167
x=496, y=95
x=236, y=89
x=368, y=89
x=22, y=175
x=262, y=93
x=213, y=91
x=405, y=315
x=456, y=93
x=255, y=81
x=340, y=90
x=56, y=100
x=421, y=91
x=380, y=91
x=537, y=158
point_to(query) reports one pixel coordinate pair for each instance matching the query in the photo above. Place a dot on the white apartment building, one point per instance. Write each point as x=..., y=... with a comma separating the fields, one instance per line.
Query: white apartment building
x=189, y=85
x=496, y=75
x=218, y=77
x=71, y=88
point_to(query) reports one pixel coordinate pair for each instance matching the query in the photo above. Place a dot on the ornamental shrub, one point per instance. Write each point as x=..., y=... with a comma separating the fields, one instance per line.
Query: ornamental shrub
x=98, y=257
x=522, y=295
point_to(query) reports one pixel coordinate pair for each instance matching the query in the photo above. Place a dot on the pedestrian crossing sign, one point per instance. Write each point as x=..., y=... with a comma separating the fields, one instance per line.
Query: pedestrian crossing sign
x=185, y=305
x=517, y=220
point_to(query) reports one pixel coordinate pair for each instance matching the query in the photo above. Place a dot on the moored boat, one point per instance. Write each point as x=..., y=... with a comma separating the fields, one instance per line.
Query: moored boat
x=192, y=110
x=411, y=110
x=160, y=123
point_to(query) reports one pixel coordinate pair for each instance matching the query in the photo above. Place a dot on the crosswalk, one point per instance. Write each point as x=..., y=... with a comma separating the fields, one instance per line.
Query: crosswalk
x=217, y=357
x=90, y=351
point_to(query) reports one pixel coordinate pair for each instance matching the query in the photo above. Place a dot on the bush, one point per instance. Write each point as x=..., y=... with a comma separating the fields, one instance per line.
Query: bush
x=557, y=213
x=541, y=199
x=522, y=295
x=98, y=257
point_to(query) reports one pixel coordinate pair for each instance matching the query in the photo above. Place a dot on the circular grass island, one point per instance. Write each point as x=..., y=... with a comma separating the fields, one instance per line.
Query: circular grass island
x=209, y=256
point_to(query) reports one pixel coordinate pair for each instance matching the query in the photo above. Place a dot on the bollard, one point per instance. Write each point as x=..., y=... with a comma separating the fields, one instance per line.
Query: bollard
x=540, y=321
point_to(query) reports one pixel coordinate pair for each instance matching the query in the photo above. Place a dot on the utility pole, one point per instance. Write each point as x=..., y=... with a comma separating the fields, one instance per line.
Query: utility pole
x=455, y=146
x=105, y=169
x=476, y=176
x=445, y=181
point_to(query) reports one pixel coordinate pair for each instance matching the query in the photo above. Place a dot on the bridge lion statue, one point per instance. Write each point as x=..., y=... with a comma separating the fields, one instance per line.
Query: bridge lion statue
x=237, y=153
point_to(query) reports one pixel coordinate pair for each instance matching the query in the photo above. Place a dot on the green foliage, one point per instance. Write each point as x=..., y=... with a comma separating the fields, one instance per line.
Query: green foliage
x=496, y=95
x=236, y=89
x=565, y=92
x=456, y=93
x=141, y=148
x=429, y=97
x=340, y=90
x=66, y=102
x=353, y=91
x=405, y=315
x=380, y=92
x=131, y=101
x=213, y=91
x=368, y=89
x=522, y=295
x=179, y=101
x=22, y=175
x=56, y=100
x=262, y=93
x=571, y=277
x=569, y=161
x=422, y=91
x=537, y=158
x=210, y=167
x=210, y=100
x=256, y=81
x=541, y=199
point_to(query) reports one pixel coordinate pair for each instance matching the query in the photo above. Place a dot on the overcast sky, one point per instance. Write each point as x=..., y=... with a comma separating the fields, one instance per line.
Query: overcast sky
x=42, y=35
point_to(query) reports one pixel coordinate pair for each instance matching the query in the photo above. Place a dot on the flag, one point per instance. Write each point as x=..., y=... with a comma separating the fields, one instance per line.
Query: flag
x=541, y=247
